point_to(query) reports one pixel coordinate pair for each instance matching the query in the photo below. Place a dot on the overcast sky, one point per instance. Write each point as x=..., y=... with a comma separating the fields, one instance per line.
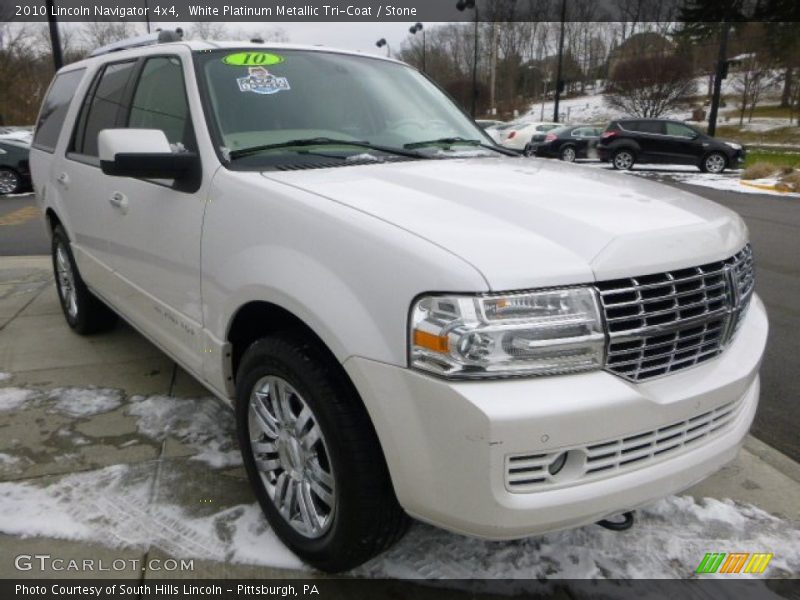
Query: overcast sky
x=348, y=36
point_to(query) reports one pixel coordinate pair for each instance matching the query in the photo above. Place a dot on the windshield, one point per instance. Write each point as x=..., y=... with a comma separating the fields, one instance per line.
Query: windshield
x=262, y=102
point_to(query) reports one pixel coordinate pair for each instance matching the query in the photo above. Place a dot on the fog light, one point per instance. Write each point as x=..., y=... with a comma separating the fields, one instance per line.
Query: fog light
x=555, y=467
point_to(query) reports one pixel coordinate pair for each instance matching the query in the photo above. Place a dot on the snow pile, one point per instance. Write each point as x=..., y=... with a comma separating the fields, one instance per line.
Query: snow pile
x=4, y=376
x=12, y=398
x=85, y=402
x=204, y=424
x=117, y=506
x=114, y=507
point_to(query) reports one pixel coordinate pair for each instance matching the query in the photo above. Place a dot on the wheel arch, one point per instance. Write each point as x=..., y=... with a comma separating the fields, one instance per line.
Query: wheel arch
x=257, y=319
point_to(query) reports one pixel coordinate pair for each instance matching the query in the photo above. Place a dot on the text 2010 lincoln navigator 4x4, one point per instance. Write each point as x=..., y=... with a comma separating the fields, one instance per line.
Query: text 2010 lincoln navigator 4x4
x=406, y=319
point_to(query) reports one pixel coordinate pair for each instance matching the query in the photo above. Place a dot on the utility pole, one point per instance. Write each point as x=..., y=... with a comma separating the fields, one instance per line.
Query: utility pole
x=55, y=38
x=559, y=82
x=493, y=72
x=722, y=68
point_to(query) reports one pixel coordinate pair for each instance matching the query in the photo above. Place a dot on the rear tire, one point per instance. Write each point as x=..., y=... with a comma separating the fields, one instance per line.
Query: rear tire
x=84, y=312
x=329, y=500
x=568, y=154
x=623, y=160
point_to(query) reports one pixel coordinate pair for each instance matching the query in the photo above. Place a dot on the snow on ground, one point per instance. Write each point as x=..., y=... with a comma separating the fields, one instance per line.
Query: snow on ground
x=12, y=398
x=206, y=426
x=728, y=181
x=4, y=376
x=77, y=402
x=139, y=506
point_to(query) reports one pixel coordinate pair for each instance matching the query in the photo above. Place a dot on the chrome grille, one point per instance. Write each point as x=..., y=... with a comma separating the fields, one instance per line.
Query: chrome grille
x=661, y=323
x=529, y=472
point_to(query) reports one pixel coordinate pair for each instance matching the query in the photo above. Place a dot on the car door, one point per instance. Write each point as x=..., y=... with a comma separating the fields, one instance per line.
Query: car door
x=579, y=139
x=79, y=179
x=684, y=145
x=154, y=233
x=650, y=135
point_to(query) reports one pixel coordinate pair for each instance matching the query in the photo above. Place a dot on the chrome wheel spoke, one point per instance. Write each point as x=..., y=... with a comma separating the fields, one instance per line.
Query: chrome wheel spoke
x=308, y=512
x=310, y=438
x=267, y=422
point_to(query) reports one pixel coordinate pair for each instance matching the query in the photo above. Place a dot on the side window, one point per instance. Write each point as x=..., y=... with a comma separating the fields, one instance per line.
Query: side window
x=159, y=102
x=679, y=130
x=54, y=109
x=651, y=127
x=103, y=108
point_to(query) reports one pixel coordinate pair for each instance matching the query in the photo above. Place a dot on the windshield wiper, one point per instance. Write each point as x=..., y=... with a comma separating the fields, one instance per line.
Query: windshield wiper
x=451, y=141
x=322, y=141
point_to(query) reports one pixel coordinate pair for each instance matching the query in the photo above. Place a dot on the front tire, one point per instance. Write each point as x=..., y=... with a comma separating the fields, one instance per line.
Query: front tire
x=623, y=160
x=714, y=163
x=84, y=312
x=312, y=455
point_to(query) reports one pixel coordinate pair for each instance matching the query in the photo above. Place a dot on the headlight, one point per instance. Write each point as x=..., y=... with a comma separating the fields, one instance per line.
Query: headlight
x=734, y=145
x=535, y=333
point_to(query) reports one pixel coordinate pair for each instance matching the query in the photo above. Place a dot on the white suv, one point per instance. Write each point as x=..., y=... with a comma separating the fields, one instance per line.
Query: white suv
x=406, y=319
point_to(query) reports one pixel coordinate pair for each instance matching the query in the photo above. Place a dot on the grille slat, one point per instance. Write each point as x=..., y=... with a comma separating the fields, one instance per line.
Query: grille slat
x=525, y=473
x=690, y=315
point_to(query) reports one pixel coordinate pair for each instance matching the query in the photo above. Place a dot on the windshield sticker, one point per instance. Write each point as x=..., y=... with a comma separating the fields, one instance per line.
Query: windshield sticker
x=252, y=59
x=261, y=81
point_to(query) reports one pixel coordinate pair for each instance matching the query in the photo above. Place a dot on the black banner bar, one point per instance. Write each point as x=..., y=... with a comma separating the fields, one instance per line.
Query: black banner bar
x=184, y=11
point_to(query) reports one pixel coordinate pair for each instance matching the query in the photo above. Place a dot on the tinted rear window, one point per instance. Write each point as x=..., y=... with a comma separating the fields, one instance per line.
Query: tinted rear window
x=54, y=109
x=103, y=109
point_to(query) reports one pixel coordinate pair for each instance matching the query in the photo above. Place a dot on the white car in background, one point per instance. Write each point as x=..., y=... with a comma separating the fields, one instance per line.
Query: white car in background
x=519, y=133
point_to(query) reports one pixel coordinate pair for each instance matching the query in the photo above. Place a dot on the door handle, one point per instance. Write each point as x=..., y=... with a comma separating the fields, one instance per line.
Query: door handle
x=120, y=201
x=63, y=179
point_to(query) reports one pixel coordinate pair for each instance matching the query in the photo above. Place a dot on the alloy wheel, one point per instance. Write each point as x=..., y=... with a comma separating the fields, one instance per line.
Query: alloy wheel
x=715, y=163
x=623, y=160
x=568, y=154
x=292, y=457
x=66, y=281
x=9, y=181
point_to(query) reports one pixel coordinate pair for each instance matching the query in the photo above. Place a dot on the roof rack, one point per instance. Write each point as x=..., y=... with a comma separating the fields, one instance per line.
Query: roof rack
x=159, y=37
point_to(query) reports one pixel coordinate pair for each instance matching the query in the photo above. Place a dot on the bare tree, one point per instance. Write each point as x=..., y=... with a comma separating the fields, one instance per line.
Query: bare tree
x=208, y=30
x=649, y=86
x=100, y=33
x=753, y=77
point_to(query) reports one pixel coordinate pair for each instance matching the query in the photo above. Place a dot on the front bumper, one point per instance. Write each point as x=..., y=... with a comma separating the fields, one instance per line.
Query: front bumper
x=447, y=444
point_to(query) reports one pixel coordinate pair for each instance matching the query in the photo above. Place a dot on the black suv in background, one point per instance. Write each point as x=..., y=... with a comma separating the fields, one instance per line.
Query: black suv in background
x=626, y=142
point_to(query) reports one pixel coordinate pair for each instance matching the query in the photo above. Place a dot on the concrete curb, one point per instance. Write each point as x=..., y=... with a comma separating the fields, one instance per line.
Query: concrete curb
x=774, y=458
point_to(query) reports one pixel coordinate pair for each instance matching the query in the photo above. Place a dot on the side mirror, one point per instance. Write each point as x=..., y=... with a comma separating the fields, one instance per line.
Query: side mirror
x=144, y=154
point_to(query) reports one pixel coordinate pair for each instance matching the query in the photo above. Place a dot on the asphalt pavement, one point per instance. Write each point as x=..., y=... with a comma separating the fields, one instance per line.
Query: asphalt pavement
x=774, y=224
x=22, y=231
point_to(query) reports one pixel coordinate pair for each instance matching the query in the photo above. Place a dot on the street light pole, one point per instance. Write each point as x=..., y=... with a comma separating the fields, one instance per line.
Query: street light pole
x=462, y=5
x=560, y=61
x=722, y=67
x=55, y=38
x=413, y=31
x=381, y=43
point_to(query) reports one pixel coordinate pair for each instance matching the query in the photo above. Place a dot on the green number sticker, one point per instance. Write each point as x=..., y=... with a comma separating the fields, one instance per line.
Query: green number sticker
x=252, y=59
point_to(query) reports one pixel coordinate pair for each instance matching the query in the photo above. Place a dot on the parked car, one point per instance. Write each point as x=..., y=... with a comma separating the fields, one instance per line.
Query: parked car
x=567, y=143
x=15, y=176
x=407, y=319
x=517, y=136
x=626, y=142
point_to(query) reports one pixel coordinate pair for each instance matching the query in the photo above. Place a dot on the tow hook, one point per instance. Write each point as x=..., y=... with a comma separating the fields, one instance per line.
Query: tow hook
x=625, y=523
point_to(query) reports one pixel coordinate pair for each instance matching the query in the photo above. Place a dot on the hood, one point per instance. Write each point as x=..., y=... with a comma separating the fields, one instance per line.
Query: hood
x=531, y=223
